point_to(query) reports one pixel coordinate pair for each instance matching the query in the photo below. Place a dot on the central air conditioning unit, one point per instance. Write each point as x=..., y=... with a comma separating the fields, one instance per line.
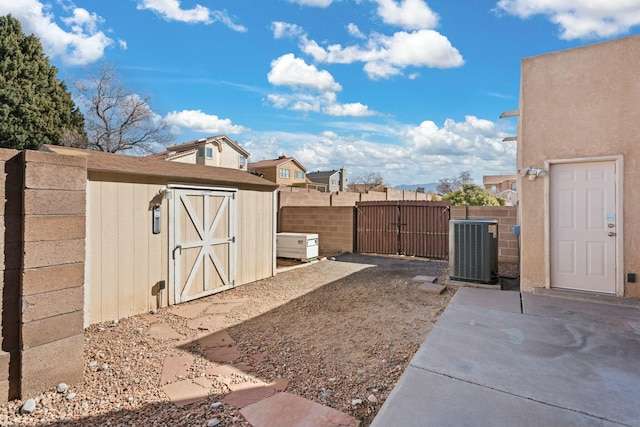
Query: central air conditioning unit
x=473, y=250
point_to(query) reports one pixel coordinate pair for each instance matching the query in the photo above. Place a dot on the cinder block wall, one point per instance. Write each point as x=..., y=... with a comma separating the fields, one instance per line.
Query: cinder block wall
x=11, y=181
x=506, y=216
x=52, y=282
x=334, y=225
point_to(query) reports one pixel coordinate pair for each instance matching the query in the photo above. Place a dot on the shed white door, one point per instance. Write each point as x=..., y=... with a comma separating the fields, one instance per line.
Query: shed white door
x=583, y=226
x=203, y=244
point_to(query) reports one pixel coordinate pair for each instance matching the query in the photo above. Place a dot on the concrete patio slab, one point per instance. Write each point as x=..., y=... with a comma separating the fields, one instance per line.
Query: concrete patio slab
x=425, y=399
x=478, y=354
x=285, y=409
x=615, y=316
x=478, y=297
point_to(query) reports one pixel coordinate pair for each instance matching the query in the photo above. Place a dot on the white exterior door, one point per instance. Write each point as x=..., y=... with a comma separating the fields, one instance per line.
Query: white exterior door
x=202, y=242
x=583, y=226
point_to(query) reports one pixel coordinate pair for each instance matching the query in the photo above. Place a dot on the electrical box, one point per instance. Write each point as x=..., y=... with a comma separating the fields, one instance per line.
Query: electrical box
x=302, y=246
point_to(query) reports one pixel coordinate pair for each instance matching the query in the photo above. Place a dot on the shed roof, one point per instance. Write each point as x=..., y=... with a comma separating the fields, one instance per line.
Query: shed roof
x=119, y=163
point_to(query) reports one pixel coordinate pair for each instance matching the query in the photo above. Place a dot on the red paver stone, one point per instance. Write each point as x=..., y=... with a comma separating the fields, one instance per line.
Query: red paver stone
x=260, y=357
x=285, y=409
x=225, y=371
x=247, y=385
x=207, y=323
x=185, y=392
x=223, y=354
x=246, y=397
x=162, y=331
x=280, y=384
x=174, y=367
x=190, y=311
x=216, y=339
x=224, y=307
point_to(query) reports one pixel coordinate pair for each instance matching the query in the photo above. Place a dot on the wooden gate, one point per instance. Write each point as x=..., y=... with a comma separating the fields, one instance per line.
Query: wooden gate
x=202, y=242
x=417, y=228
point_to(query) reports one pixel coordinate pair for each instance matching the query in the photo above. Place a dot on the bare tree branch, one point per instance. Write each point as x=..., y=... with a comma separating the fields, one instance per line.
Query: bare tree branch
x=117, y=119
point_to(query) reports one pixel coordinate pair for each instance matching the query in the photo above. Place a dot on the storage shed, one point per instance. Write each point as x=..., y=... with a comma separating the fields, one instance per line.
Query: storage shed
x=160, y=233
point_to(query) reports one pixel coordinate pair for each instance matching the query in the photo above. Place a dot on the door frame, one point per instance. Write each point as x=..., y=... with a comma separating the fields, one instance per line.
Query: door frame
x=172, y=283
x=619, y=183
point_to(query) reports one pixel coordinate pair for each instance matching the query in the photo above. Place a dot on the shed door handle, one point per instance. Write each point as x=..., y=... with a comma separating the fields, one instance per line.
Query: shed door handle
x=177, y=248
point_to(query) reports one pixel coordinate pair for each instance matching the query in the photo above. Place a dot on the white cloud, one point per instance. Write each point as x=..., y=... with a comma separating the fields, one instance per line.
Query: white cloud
x=288, y=70
x=77, y=42
x=171, y=11
x=411, y=155
x=198, y=121
x=355, y=31
x=323, y=103
x=407, y=14
x=285, y=29
x=579, y=19
x=385, y=56
x=313, y=3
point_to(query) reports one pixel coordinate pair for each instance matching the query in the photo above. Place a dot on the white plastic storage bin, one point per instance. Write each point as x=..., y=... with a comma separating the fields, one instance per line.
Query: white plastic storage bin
x=302, y=246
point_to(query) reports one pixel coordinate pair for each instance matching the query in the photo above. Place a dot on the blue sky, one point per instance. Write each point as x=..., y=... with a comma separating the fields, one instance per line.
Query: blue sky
x=410, y=89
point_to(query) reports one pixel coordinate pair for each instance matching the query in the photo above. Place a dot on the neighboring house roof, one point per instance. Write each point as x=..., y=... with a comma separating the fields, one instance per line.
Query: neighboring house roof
x=178, y=150
x=275, y=162
x=321, y=174
x=120, y=163
x=497, y=179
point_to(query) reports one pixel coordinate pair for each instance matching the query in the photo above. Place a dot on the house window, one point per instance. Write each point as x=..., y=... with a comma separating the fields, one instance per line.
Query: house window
x=334, y=182
x=493, y=188
x=300, y=175
x=200, y=151
x=513, y=186
x=209, y=153
x=243, y=162
x=285, y=173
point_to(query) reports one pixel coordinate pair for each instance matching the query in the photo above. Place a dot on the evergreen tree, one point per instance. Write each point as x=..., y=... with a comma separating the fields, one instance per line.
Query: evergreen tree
x=35, y=107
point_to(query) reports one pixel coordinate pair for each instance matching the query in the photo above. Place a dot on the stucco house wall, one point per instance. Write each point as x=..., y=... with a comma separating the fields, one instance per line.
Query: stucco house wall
x=581, y=104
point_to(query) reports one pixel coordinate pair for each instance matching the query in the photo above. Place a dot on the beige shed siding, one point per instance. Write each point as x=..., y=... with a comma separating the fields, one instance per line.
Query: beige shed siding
x=125, y=259
x=255, y=235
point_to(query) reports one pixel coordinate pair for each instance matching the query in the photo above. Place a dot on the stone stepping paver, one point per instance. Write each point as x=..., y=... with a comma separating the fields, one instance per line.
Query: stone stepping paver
x=216, y=339
x=185, y=392
x=162, y=331
x=246, y=397
x=189, y=311
x=207, y=323
x=223, y=354
x=259, y=357
x=224, y=307
x=430, y=279
x=175, y=367
x=286, y=409
x=432, y=288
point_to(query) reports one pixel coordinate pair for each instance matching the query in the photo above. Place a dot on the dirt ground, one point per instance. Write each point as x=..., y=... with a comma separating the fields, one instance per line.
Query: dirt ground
x=341, y=331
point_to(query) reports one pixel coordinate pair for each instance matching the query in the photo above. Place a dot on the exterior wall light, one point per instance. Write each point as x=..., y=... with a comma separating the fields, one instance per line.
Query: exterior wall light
x=532, y=173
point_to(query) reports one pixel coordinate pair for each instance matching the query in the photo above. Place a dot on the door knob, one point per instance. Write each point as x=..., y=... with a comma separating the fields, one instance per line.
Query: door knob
x=611, y=233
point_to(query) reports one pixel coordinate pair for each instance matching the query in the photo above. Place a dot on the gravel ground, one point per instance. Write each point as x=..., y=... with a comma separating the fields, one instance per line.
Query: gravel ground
x=337, y=330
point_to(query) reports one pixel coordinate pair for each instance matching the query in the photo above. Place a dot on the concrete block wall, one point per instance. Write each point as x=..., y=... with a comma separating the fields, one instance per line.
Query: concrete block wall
x=11, y=182
x=334, y=225
x=506, y=216
x=52, y=271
